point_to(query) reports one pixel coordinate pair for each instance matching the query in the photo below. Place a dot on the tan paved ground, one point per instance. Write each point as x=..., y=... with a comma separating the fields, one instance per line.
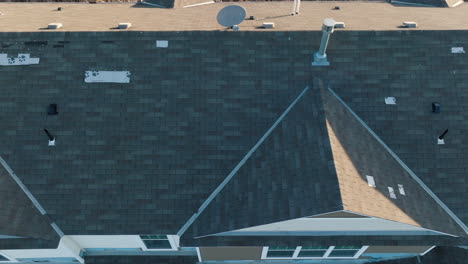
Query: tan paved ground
x=103, y=17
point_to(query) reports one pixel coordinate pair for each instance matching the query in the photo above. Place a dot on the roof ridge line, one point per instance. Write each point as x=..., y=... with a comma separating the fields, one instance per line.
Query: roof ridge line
x=239, y=165
x=402, y=164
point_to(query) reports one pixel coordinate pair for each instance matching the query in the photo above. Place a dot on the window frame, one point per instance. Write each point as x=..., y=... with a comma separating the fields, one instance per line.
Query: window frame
x=173, y=241
x=9, y=259
x=265, y=252
x=326, y=255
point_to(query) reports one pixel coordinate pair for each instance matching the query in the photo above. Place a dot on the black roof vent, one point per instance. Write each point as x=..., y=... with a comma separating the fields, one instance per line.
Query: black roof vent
x=435, y=107
x=52, y=110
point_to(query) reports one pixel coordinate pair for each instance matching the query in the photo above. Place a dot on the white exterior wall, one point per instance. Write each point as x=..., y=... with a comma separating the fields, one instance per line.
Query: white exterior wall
x=70, y=246
x=60, y=252
x=118, y=241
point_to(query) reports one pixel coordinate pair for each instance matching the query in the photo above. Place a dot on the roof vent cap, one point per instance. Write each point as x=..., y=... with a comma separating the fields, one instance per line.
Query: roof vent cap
x=268, y=25
x=52, y=110
x=390, y=100
x=370, y=181
x=124, y=25
x=435, y=107
x=340, y=25
x=458, y=50
x=162, y=43
x=54, y=26
x=391, y=192
x=410, y=24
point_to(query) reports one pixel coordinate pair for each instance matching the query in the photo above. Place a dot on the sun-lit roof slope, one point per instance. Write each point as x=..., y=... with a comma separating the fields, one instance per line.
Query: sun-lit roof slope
x=394, y=195
x=417, y=68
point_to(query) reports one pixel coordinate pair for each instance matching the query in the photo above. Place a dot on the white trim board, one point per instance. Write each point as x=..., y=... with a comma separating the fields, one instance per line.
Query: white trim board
x=10, y=259
x=332, y=227
x=427, y=251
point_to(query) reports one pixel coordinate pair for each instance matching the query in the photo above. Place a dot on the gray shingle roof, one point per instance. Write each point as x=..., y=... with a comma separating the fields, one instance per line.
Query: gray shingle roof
x=151, y=151
x=355, y=154
x=147, y=152
x=290, y=176
x=417, y=68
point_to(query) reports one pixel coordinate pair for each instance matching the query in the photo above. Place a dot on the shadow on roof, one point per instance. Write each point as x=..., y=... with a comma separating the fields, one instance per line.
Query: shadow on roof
x=396, y=195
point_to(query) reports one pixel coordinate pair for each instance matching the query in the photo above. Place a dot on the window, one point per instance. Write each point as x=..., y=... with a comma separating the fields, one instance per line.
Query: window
x=313, y=252
x=280, y=252
x=156, y=242
x=344, y=251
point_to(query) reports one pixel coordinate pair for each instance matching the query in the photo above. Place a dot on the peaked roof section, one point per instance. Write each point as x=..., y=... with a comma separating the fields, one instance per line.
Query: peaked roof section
x=289, y=176
x=357, y=154
x=293, y=175
x=18, y=215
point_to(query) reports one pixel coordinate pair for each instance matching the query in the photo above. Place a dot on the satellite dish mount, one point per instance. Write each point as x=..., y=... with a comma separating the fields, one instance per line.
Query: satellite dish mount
x=231, y=16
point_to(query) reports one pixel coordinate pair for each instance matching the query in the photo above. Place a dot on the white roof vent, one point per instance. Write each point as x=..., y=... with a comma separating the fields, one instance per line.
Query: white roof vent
x=107, y=77
x=268, y=25
x=401, y=189
x=440, y=139
x=54, y=26
x=340, y=25
x=162, y=43
x=410, y=24
x=124, y=25
x=392, y=192
x=390, y=100
x=370, y=181
x=458, y=50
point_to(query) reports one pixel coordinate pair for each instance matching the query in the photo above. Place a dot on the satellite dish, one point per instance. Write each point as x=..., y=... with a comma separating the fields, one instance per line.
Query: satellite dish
x=231, y=15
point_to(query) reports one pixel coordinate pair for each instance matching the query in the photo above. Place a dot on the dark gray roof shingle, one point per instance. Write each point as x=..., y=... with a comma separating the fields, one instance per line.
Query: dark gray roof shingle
x=153, y=150
x=19, y=217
